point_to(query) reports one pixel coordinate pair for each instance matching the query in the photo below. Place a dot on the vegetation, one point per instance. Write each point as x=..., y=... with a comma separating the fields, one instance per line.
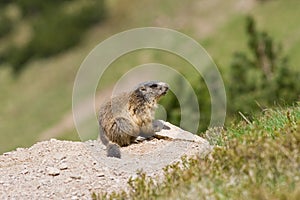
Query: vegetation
x=266, y=76
x=5, y=25
x=257, y=160
x=171, y=103
x=52, y=33
x=267, y=80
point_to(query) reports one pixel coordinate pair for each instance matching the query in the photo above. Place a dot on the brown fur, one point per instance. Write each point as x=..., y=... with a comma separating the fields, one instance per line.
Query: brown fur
x=129, y=115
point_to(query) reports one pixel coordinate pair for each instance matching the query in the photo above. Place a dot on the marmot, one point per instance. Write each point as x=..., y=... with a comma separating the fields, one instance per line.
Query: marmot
x=129, y=115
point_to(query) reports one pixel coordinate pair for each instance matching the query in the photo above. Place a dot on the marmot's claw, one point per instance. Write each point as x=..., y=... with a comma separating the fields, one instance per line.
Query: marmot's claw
x=165, y=127
x=157, y=125
x=139, y=139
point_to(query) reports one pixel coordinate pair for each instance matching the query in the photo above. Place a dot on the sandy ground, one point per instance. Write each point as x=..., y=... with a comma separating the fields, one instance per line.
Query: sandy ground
x=56, y=169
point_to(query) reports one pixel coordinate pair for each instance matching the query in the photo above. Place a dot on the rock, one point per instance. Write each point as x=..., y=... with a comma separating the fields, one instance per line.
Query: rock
x=25, y=171
x=75, y=176
x=177, y=133
x=83, y=167
x=59, y=156
x=100, y=175
x=52, y=171
x=63, y=166
x=68, y=180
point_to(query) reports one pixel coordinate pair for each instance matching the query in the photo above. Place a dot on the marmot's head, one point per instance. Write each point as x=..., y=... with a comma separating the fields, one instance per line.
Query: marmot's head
x=151, y=91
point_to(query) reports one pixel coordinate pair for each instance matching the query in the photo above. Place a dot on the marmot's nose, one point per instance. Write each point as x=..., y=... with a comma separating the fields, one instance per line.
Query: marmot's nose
x=164, y=85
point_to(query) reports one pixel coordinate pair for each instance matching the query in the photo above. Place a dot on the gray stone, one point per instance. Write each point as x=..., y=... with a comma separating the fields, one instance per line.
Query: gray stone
x=52, y=171
x=63, y=166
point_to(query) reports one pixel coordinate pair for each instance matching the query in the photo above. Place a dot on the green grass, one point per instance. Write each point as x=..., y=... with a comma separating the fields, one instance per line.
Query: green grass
x=259, y=160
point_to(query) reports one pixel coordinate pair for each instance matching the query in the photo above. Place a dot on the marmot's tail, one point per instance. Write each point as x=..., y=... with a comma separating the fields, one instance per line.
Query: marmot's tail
x=112, y=149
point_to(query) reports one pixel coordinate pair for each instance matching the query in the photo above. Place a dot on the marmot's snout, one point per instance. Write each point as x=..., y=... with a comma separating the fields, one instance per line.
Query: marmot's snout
x=164, y=87
x=152, y=90
x=158, y=88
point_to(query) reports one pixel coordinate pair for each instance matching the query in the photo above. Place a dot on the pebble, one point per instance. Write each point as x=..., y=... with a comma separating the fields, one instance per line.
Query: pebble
x=68, y=180
x=63, y=166
x=75, y=176
x=43, y=182
x=59, y=156
x=100, y=175
x=52, y=171
x=25, y=171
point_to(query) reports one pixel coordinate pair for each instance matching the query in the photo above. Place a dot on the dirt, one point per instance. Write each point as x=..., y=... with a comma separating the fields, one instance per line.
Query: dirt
x=57, y=169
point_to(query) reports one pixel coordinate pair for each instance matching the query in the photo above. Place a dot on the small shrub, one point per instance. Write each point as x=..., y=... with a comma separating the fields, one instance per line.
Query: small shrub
x=4, y=2
x=263, y=79
x=54, y=30
x=5, y=25
x=35, y=7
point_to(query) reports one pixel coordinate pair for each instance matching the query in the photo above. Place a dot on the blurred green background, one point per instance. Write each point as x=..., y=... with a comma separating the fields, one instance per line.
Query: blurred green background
x=42, y=45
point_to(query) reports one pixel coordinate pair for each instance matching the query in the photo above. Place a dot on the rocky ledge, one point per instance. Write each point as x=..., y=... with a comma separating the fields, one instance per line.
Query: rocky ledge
x=57, y=169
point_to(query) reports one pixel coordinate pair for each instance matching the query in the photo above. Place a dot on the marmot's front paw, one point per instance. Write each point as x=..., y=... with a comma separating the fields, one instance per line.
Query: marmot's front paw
x=158, y=126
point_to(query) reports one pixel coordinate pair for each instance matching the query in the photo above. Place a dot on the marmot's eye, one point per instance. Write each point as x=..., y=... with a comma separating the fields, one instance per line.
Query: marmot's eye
x=143, y=89
x=153, y=86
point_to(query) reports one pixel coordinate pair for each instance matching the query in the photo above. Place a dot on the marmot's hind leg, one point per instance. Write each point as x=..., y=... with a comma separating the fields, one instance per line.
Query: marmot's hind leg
x=123, y=135
x=158, y=126
x=124, y=132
